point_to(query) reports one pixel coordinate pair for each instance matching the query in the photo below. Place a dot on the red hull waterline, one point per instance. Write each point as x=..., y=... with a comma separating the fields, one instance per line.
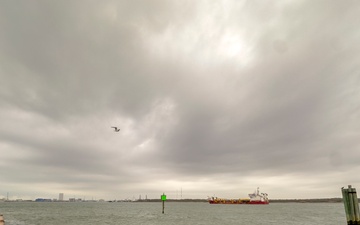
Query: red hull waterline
x=259, y=203
x=238, y=203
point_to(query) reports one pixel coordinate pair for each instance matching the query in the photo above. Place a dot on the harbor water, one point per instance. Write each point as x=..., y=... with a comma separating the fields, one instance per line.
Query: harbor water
x=177, y=213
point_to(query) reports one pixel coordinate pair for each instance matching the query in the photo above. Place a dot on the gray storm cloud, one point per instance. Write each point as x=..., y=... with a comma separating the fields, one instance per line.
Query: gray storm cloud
x=210, y=97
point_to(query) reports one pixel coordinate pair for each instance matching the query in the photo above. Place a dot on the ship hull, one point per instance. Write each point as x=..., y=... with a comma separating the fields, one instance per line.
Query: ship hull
x=255, y=199
x=258, y=203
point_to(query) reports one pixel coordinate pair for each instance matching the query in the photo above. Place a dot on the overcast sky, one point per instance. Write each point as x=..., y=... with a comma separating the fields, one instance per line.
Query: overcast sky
x=212, y=98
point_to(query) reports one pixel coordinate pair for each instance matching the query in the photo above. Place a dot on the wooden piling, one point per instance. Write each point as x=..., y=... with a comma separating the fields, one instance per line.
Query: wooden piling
x=356, y=206
x=2, y=221
x=351, y=205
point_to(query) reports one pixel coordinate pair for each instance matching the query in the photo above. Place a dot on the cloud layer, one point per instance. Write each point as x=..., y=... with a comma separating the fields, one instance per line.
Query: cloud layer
x=210, y=98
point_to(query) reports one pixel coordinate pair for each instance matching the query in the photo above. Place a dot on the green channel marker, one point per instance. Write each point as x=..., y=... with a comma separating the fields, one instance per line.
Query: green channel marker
x=163, y=199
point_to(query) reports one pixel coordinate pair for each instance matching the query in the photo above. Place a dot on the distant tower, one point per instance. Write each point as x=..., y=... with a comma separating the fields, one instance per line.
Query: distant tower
x=61, y=196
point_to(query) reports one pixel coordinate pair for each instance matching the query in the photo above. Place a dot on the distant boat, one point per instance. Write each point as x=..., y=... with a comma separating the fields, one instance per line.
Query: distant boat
x=255, y=198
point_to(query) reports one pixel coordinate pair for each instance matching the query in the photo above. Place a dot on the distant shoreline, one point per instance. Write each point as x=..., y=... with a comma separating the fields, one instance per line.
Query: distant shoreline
x=320, y=200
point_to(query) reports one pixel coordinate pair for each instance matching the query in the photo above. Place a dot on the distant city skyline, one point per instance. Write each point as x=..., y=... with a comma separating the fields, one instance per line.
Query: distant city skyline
x=62, y=197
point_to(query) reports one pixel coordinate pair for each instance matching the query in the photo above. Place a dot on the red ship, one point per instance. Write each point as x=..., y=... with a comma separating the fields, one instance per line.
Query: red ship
x=255, y=198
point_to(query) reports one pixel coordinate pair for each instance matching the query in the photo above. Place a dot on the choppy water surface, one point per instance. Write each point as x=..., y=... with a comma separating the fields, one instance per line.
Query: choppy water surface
x=179, y=213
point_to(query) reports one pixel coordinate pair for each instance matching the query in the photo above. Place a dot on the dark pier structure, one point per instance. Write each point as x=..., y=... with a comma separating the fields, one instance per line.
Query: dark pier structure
x=351, y=205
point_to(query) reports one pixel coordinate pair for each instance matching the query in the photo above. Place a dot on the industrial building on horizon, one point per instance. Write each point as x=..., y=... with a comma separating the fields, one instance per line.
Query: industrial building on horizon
x=61, y=196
